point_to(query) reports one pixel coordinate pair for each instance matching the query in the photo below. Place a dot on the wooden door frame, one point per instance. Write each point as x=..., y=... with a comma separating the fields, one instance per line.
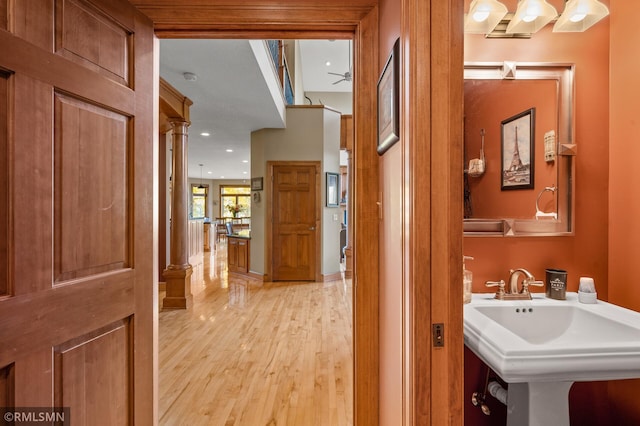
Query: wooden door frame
x=269, y=218
x=431, y=114
x=432, y=87
x=270, y=19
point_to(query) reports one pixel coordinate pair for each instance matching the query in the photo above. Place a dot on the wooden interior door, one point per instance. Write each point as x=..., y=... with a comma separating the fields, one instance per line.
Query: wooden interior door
x=295, y=219
x=77, y=294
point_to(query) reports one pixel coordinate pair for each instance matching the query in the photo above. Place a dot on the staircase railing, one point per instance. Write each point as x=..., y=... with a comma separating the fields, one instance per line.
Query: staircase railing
x=276, y=49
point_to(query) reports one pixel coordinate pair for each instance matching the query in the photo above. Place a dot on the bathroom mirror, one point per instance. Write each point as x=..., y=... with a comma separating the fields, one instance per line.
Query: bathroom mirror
x=519, y=149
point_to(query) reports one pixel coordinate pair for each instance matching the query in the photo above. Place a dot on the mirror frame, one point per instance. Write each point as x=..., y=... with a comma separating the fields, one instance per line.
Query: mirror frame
x=563, y=75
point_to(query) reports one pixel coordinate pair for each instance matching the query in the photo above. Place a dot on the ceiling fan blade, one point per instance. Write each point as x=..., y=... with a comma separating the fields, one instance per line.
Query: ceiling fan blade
x=339, y=81
x=335, y=73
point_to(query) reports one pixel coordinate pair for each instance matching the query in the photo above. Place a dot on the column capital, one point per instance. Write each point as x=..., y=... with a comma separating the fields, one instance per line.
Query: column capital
x=179, y=123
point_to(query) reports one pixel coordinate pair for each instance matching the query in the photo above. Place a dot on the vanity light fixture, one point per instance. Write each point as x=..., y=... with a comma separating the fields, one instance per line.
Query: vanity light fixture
x=579, y=15
x=531, y=16
x=484, y=16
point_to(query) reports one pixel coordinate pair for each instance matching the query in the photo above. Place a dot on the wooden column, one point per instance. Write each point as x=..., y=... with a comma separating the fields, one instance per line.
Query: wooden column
x=178, y=272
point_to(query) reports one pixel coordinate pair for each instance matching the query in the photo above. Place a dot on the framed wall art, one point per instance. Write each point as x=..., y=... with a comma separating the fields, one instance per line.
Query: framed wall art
x=256, y=184
x=518, y=142
x=388, y=101
x=332, y=189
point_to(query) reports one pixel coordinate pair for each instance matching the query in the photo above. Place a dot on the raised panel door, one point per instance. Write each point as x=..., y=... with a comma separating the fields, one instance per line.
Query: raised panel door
x=77, y=295
x=295, y=222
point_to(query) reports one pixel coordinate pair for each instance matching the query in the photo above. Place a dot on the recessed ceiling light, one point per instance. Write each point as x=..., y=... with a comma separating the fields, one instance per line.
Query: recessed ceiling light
x=244, y=173
x=189, y=76
x=328, y=63
x=205, y=134
x=210, y=172
x=245, y=161
x=221, y=177
x=229, y=150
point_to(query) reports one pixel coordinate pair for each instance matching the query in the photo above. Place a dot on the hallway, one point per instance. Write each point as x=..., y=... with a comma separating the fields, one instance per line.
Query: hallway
x=252, y=354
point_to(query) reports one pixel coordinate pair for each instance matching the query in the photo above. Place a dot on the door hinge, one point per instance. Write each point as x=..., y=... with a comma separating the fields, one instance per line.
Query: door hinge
x=438, y=335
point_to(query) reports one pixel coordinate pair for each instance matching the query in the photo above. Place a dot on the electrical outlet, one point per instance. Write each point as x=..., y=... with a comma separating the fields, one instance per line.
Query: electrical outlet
x=335, y=217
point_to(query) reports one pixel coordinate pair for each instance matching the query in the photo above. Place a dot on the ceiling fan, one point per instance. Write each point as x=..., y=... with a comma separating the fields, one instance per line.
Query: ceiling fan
x=347, y=76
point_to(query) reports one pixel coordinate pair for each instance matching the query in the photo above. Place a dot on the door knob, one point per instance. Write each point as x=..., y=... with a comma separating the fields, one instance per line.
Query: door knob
x=312, y=228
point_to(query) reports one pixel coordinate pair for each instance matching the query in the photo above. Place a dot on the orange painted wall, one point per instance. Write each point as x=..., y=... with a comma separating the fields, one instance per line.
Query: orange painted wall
x=585, y=253
x=390, y=275
x=624, y=183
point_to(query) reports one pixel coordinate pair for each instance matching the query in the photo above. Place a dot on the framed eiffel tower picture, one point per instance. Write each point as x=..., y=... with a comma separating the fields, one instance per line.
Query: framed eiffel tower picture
x=518, y=143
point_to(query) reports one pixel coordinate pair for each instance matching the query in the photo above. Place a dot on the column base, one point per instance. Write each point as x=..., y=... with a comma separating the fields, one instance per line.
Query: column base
x=178, y=287
x=348, y=262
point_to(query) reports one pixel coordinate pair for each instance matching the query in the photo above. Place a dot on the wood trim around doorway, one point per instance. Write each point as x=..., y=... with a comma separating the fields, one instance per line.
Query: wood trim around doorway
x=326, y=19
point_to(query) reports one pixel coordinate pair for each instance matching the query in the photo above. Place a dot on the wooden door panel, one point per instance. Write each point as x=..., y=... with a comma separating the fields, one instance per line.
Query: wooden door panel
x=76, y=186
x=295, y=212
x=93, y=375
x=91, y=38
x=6, y=386
x=243, y=265
x=295, y=254
x=91, y=216
x=232, y=253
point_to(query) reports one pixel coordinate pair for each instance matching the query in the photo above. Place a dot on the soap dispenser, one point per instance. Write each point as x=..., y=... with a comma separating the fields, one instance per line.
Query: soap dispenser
x=467, y=277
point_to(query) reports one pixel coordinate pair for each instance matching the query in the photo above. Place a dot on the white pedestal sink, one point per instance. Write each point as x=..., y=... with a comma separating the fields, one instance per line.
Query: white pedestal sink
x=540, y=347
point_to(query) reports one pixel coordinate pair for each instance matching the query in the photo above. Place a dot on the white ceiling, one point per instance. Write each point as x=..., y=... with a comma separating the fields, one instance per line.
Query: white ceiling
x=231, y=98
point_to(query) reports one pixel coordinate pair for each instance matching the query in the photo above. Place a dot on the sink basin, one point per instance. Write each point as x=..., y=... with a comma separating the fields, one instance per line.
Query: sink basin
x=541, y=346
x=551, y=340
x=560, y=325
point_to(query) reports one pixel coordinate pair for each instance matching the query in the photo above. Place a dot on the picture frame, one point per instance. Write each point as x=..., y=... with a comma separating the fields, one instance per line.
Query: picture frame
x=518, y=151
x=256, y=184
x=388, y=101
x=332, y=185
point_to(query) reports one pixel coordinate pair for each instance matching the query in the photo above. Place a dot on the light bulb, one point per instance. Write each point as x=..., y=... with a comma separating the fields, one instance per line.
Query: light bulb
x=533, y=11
x=577, y=17
x=480, y=15
x=581, y=11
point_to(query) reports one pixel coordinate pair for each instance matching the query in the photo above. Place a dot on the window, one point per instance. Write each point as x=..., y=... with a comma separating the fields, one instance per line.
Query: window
x=199, y=201
x=235, y=201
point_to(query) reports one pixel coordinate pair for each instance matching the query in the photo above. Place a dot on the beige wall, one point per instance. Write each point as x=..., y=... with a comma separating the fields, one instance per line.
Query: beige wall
x=392, y=283
x=340, y=101
x=312, y=134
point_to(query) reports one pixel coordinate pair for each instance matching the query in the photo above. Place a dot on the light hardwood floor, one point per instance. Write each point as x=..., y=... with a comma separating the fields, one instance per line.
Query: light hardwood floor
x=257, y=354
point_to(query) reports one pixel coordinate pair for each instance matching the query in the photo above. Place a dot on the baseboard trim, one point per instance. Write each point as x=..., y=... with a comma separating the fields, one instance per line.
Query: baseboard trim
x=336, y=276
x=252, y=275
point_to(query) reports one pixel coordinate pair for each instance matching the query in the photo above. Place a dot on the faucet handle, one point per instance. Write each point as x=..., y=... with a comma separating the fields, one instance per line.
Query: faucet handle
x=527, y=283
x=500, y=284
x=536, y=283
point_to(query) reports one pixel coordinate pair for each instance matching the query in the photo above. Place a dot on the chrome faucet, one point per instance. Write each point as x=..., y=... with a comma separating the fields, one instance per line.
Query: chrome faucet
x=512, y=292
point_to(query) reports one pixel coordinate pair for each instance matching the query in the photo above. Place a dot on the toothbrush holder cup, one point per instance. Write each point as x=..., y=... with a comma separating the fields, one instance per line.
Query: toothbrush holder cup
x=556, y=284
